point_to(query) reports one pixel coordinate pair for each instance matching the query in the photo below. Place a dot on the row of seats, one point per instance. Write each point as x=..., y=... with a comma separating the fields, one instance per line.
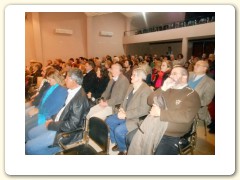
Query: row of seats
x=97, y=131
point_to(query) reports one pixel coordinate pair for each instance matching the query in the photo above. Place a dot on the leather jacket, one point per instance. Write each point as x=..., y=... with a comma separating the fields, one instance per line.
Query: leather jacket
x=73, y=117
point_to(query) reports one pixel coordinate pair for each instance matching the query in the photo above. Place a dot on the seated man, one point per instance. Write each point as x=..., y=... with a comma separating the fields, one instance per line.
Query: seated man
x=205, y=87
x=90, y=79
x=112, y=96
x=133, y=107
x=69, y=118
x=181, y=104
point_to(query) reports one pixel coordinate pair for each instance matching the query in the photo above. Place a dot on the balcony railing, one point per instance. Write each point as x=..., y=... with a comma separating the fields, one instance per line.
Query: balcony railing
x=173, y=25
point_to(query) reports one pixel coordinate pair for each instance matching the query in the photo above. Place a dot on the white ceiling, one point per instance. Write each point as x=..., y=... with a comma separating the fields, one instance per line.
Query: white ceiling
x=127, y=14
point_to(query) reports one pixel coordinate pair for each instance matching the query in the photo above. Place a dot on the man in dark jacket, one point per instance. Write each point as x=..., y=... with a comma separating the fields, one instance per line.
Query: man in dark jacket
x=90, y=79
x=69, y=118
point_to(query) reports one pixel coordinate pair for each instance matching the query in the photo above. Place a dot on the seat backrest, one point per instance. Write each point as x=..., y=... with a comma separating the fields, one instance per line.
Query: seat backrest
x=187, y=142
x=99, y=133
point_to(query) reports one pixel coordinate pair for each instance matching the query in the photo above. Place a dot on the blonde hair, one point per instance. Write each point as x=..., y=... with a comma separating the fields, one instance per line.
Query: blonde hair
x=54, y=74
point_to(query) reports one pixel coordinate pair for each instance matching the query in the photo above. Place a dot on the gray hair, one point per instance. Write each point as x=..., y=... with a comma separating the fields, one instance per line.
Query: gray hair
x=141, y=73
x=184, y=71
x=76, y=74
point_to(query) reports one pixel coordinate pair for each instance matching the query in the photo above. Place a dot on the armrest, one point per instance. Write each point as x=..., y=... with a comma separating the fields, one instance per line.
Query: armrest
x=63, y=135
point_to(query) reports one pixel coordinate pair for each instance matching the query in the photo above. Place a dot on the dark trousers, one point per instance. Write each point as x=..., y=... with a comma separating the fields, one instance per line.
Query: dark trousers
x=129, y=137
x=168, y=146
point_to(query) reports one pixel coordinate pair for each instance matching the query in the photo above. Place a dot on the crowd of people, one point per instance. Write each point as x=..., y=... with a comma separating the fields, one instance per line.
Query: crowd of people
x=159, y=96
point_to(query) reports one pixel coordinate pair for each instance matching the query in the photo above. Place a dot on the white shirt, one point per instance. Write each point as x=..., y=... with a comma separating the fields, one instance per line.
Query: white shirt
x=181, y=87
x=136, y=87
x=198, y=77
x=71, y=94
x=115, y=78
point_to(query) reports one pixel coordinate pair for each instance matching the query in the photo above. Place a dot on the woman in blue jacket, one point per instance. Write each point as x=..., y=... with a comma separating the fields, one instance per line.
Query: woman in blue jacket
x=51, y=102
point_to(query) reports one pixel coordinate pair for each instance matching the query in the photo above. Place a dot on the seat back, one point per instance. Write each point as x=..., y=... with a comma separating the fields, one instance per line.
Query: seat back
x=98, y=131
x=187, y=142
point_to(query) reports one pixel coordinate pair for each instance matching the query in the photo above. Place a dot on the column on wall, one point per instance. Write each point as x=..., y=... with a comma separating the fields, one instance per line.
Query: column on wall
x=128, y=26
x=185, y=47
x=89, y=37
x=37, y=36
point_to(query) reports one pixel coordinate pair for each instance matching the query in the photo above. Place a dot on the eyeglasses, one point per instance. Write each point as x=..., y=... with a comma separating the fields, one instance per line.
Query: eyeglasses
x=200, y=65
x=174, y=73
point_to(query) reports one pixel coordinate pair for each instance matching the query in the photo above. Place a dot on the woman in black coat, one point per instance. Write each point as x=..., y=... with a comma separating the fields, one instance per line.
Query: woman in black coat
x=102, y=82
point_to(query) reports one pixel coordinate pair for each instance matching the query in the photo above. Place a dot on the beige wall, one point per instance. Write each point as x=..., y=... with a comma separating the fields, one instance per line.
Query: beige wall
x=101, y=46
x=42, y=43
x=29, y=40
x=61, y=45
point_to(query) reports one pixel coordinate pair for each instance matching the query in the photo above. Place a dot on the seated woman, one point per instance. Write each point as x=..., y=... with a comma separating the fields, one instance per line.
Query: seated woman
x=160, y=73
x=36, y=72
x=102, y=82
x=51, y=102
x=35, y=99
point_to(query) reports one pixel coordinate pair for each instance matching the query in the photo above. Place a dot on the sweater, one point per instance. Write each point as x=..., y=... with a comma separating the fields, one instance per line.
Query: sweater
x=182, y=106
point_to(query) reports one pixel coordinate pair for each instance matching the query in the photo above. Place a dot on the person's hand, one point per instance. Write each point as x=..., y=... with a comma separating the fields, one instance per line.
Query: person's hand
x=32, y=112
x=89, y=95
x=48, y=122
x=152, y=88
x=121, y=110
x=155, y=110
x=32, y=98
x=121, y=114
x=168, y=83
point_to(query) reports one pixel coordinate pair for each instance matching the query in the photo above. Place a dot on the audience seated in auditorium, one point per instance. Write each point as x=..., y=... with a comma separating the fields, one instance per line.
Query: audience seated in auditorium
x=57, y=63
x=101, y=84
x=204, y=56
x=37, y=72
x=35, y=99
x=71, y=61
x=128, y=68
x=65, y=68
x=204, y=86
x=192, y=64
x=160, y=73
x=51, y=102
x=69, y=118
x=49, y=63
x=171, y=116
x=97, y=62
x=172, y=57
x=133, y=107
x=90, y=79
x=180, y=60
x=112, y=96
x=211, y=69
x=144, y=65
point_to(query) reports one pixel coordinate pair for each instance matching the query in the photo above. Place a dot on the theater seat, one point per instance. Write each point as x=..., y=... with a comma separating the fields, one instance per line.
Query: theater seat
x=98, y=132
x=187, y=142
